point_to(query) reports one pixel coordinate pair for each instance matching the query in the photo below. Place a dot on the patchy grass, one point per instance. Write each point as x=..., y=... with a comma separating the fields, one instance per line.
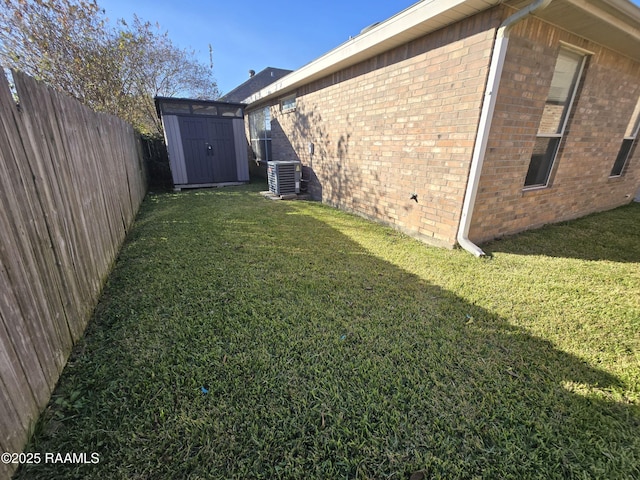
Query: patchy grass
x=239, y=337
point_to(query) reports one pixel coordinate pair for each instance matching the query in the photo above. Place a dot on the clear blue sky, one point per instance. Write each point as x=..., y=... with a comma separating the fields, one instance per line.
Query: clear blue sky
x=248, y=34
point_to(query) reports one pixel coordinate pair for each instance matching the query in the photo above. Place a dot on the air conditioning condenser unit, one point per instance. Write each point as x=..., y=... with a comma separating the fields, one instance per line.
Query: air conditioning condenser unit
x=284, y=177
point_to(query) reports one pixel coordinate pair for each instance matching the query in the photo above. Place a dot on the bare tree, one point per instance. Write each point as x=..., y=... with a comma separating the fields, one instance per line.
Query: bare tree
x=69, y=45
x=152, y=66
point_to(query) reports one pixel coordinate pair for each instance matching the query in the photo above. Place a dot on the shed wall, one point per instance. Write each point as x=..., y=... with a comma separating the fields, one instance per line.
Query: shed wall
x=240, y=143
x=403, y=122
x=173, y=141
x=580, y=182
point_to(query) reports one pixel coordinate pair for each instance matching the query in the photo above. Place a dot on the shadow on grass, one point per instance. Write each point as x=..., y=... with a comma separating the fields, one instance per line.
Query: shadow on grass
x=243, y=338
x=611, y=235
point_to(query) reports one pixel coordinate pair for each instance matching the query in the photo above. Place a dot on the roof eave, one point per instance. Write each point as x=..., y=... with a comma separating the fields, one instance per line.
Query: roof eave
x=613, y=24
x=414, y=22
x=430, y=15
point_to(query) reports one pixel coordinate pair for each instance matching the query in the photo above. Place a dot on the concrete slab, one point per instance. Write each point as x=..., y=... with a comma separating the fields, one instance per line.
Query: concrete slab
x=289, y=196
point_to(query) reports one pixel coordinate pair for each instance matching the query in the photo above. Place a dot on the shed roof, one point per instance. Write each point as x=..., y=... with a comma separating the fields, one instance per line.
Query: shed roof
x=159, y=101
x=614, y=24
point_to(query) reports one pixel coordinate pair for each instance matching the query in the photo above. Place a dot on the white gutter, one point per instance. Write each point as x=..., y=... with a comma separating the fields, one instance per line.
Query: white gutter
x=484, y=126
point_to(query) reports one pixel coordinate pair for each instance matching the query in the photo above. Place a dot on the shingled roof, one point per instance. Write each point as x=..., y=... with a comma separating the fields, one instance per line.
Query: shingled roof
x=255, y=83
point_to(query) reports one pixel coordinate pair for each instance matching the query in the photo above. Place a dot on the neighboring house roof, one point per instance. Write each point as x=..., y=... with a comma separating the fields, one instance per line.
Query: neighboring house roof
x=255, y=83
x=614, y=24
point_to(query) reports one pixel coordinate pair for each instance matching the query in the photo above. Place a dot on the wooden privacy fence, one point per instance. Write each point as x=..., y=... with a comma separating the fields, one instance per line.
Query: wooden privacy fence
x=71, y=182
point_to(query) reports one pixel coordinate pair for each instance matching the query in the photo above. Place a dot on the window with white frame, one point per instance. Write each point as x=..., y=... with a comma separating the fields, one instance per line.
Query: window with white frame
x=288, y=104
x=260, y=133
x=630, y=136
x=564, y=86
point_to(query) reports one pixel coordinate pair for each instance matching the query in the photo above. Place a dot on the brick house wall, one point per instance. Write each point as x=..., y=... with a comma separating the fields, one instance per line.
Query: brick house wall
x=579, y=182
x=405, y=122
x=401, y=123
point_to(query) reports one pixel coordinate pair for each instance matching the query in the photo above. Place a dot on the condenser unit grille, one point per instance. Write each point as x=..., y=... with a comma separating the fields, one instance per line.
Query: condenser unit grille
x=284, y=177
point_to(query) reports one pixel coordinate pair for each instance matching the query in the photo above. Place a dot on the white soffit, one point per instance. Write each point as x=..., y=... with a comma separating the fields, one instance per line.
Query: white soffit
x=614, y=24
x=414, y=22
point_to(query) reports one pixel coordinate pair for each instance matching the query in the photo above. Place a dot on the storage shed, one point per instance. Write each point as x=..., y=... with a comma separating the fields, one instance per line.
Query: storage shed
x=205, y=140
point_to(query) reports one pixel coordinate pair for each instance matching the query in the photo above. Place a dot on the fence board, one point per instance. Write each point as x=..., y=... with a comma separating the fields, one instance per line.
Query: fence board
x=45, y=240
x=14, y=417
x=53, y=183
x=40, y=110
x=71, y=183
x=21, y=340
x=22, y=224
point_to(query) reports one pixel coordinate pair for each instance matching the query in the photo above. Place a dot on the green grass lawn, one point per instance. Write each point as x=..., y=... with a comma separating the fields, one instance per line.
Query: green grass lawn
x=242, y=338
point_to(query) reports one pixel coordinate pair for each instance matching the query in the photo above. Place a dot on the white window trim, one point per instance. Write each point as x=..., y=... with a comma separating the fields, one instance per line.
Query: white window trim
x=549, y=135
x=574, y=49
x=266, y=112
x=632, y=138
x=284, y=109
x=626, y=160
x=560, y=135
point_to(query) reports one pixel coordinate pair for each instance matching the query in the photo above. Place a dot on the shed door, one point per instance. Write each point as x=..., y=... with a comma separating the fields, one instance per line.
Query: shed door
x=224, y=161
x=209, y=151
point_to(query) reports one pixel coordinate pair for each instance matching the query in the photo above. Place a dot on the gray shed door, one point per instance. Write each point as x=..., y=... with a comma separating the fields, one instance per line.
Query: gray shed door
x=209, y=151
